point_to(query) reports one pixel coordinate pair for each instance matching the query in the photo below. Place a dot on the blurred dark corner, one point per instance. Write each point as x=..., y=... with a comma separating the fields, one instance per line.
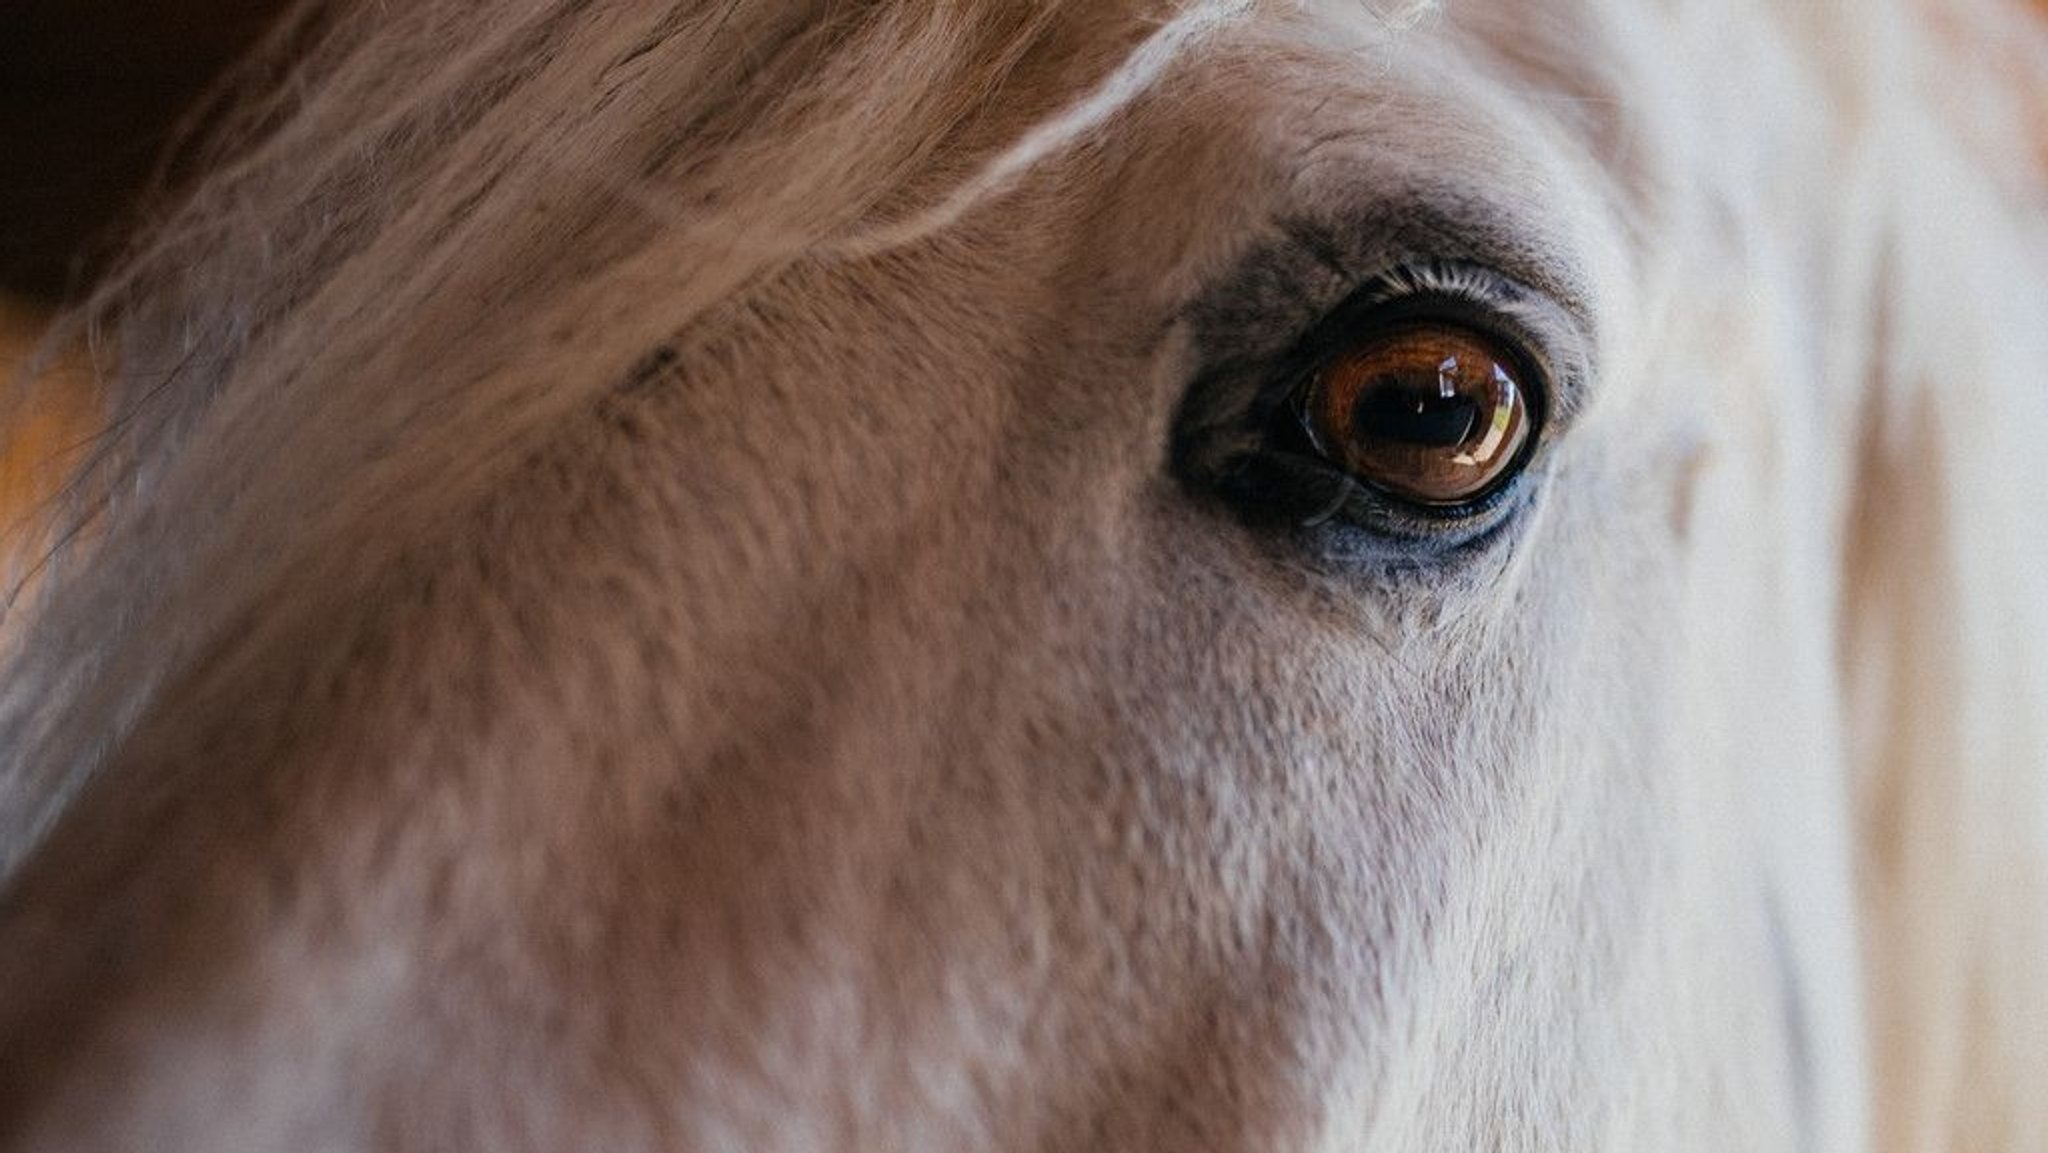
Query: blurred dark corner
x=89, y=91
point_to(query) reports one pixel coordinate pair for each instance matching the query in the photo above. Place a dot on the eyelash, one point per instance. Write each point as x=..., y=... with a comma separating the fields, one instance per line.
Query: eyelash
x=1439, y=279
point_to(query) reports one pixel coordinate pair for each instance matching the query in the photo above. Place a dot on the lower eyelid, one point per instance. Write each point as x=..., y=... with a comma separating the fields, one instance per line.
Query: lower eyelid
x=1292, y=491
x=1436, y=543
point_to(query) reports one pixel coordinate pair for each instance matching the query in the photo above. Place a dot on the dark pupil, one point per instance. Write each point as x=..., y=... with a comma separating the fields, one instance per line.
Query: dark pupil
x=1411, y=412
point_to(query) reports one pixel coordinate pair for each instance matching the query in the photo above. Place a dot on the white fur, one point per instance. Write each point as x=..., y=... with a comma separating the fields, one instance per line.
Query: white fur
x=643, y=598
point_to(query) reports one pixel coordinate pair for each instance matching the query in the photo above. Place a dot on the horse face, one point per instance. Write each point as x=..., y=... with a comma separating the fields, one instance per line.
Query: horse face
x=1020, y=667
x=1219, y=817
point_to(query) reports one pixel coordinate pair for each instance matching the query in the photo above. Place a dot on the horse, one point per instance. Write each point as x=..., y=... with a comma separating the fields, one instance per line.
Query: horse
x=1130, y=575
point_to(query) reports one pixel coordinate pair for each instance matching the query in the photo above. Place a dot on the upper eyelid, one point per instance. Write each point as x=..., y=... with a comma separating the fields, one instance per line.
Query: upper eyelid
x=1296, y=281
x=1404, y=222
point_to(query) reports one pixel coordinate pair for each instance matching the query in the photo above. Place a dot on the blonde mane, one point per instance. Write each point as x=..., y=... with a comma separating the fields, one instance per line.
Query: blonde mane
x=484, y=214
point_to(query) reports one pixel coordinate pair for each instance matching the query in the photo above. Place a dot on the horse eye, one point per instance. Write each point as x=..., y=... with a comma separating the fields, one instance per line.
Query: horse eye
x=1430, y=412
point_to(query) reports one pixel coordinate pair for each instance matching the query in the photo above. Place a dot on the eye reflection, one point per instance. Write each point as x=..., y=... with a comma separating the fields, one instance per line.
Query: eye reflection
x=1429, y=412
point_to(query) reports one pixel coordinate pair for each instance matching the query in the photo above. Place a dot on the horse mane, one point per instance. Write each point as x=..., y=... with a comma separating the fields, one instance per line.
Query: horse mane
x=420, y=237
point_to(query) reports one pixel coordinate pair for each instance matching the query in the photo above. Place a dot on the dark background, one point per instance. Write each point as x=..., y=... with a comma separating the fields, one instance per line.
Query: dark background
x=89, y=90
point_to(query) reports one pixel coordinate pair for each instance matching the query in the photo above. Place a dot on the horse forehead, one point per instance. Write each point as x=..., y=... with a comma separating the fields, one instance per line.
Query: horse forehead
x=1675, y=187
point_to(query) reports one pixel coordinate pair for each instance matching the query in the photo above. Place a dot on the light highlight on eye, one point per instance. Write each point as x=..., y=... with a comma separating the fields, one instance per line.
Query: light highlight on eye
x=1430, y=412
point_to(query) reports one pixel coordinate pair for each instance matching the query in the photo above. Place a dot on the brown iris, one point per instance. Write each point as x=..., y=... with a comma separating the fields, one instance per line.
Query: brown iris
x=1431, y=412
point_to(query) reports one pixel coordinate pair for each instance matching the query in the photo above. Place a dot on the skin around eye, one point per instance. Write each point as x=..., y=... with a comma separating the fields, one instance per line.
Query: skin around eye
x=1431, y=413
